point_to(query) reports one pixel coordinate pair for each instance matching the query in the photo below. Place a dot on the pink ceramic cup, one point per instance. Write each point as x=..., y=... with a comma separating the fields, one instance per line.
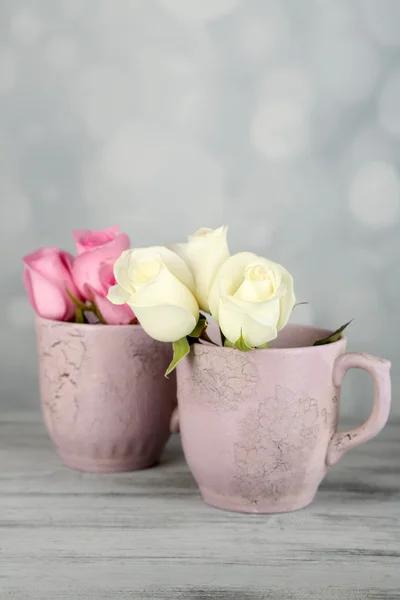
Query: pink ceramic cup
x=259, y=429
x=105, y=400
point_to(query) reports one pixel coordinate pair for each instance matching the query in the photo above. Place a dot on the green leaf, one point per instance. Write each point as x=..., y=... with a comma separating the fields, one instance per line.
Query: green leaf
x=76, y=301
x=240, y=344
x=333, y=337
x=181, y=349
x=94, y=308
x=199, y=332
x=79, y=316
x=200, y=327
x=266, y=345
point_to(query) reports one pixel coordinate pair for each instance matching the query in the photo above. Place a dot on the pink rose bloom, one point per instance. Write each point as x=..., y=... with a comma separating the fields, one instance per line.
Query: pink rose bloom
x=111, y=313
x=47, y=276
x=93, y=270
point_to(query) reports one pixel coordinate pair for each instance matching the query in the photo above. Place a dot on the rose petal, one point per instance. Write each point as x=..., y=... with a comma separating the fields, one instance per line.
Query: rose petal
x=79, y=235
x=112, y=314
x=86, y=268
x=118, y=295
x=46, y=298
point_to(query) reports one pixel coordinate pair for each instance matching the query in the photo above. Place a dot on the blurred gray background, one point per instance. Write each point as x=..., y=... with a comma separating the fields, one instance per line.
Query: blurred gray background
x=280, y=118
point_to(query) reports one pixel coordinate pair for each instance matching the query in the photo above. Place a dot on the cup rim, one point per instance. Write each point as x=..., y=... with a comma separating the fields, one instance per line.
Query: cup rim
x=91, y=326
x=300, y=349
x=323, y=332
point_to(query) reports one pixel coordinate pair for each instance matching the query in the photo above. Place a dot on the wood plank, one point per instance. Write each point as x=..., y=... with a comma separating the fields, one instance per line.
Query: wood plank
x=148, y=535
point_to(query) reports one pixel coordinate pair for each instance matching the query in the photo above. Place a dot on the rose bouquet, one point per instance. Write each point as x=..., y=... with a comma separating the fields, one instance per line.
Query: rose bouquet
x=62, y=287
x=174, y=290
x=105, y=401
x=258, y=410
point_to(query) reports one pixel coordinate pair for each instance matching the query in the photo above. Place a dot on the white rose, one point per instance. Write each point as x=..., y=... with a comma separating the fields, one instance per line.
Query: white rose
x=157, y=284
x=251, y=297
x=204, y=253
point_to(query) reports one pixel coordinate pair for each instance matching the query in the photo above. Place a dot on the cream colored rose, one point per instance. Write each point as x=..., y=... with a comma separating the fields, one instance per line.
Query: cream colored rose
x=204, y=253
x=251, y=297
x=157, y=284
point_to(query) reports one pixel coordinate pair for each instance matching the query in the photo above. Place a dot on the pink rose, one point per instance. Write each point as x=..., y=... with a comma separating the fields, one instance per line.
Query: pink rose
x=111, y=313
x=93, y=270
x=95, y=248
x=47, y=275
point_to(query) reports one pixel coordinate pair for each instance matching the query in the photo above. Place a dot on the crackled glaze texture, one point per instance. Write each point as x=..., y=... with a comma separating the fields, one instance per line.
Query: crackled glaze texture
x=260, y=428
x=105, y=401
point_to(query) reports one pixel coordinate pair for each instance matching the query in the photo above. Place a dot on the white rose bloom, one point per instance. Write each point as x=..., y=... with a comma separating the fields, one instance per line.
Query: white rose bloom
x=253, y=297
x=157, y=284
x=204, y=253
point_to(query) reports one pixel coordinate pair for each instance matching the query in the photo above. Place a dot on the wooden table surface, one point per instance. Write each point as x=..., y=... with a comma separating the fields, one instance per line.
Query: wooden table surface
x=148, y=535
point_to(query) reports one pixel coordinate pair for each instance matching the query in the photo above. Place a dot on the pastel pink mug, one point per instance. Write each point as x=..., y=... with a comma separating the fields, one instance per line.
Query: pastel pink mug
x=259, y=429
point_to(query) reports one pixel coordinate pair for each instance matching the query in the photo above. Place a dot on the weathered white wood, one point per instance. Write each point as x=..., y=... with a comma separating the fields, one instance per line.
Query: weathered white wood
x=148, y=535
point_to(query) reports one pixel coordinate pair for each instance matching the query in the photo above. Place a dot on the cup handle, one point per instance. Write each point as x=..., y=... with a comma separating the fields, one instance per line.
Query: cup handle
x=174, y=422
x=379, y=368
